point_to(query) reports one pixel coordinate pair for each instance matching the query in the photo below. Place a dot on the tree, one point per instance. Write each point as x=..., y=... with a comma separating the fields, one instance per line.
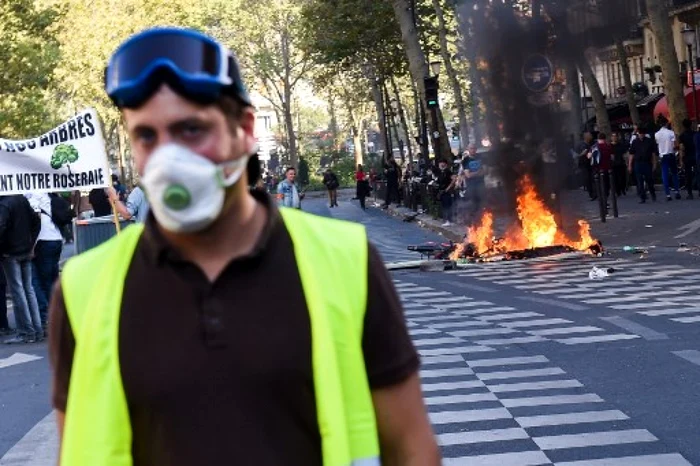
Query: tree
x=265, y=33
x=661, y=26
x=451, y=73
x=418, y=67
x=29, y=54
x=629, y=91
x=64, y=154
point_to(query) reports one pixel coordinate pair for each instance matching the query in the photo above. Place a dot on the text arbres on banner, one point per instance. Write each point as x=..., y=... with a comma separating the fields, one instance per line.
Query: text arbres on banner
x=71, y=156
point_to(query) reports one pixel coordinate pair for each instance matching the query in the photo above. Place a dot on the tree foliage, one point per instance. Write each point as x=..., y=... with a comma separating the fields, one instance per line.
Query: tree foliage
x=28, y=53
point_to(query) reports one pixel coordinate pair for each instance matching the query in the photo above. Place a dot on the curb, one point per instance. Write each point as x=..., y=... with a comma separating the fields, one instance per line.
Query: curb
x=424, y=221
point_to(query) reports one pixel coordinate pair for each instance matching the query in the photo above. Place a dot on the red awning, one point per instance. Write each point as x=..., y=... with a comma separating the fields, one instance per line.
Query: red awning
x=662, y=105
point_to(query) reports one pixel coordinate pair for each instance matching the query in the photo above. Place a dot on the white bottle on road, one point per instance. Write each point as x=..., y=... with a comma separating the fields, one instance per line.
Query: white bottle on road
x=598, y=274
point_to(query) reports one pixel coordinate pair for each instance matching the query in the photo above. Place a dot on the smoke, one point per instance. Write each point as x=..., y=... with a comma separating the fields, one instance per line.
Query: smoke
x=533, y=130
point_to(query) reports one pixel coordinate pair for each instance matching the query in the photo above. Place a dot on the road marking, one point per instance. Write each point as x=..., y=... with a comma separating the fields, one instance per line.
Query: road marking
x=689, y=355
x=39, y=447
x=482, y=289
x=455, y=325
x=454, y=399
x=510, y=341
x=525, y=386
x=687, y=320
x=424, y=331
x=554, y=302
x=507, y=361
x=596, y=339
x=436, y=387
x=551, y=400
x=571, y=418
x=482, y=332
x=565, y=330
x=455, y=350
x=422, y=312
x=449, y=300
x=671, y=459
x=486, y=310
x=689, y=228
x=670, y=312
x=643, y=305
x=18, y=358
x=482, y=436
x=535, y=323
x=641, y=330
x=515, y=315
x=471, y=415
x=450, y=372
x=436, y=341
x=621, y=299
x=594, y=439
x=521, y=458
x=465, y=303
x=519, y=374
x=442, y=360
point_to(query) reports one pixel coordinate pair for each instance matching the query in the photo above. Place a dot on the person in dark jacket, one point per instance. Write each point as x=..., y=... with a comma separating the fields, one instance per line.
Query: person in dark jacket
x=19, y=230
x=331, y=183
x=99, y=200
x=393, y=173
x=363, y=188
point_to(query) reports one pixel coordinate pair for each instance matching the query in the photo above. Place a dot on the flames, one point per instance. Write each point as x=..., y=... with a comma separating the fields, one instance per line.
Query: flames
x=537, y=228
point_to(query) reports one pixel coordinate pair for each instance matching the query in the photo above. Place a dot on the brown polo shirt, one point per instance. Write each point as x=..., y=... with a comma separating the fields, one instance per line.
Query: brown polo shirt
x=220, y=373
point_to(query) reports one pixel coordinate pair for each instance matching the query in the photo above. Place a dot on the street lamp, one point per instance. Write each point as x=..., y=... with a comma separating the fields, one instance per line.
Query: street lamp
x=690, y=38
x=435, y=67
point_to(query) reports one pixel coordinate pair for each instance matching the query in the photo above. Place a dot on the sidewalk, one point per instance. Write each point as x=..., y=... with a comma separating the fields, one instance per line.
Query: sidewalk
x=660, y=224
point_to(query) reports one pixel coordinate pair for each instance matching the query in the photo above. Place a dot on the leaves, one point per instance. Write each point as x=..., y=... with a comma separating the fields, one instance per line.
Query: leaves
x=29, y=54
x=63, y=154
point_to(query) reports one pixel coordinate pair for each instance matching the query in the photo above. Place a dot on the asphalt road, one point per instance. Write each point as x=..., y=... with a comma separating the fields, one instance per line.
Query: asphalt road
x=523, y=363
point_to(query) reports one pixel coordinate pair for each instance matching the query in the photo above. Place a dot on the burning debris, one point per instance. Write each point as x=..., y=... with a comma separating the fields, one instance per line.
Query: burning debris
x=536, y=234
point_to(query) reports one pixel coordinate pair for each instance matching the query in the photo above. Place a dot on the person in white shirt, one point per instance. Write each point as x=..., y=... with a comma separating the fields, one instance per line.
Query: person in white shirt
x=666, y=141
x=47, y=253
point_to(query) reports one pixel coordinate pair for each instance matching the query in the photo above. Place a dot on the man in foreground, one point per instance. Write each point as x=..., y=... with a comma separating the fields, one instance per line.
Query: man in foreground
x=167, y=345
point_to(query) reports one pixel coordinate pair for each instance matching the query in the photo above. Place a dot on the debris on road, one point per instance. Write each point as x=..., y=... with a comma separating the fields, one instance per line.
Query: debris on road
x=635, y=250
x=598, y=273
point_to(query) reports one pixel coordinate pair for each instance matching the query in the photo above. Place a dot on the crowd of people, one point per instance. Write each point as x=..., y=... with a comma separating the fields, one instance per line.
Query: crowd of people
x=619, y=163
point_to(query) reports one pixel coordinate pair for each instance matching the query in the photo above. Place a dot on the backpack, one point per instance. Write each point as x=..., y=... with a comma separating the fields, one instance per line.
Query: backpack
x=61, y=212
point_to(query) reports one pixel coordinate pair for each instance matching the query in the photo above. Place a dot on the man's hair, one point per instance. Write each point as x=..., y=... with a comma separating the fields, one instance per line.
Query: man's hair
x=443, y=161
x=289, y=169
x=233, y=109
x=602, y=136
x=687, y=124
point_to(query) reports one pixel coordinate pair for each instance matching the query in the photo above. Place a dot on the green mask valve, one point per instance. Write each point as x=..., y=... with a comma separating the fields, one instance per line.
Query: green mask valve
x=177, y=197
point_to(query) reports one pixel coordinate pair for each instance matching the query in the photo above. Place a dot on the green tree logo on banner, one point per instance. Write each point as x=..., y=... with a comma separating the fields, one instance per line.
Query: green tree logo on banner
x=64, y=154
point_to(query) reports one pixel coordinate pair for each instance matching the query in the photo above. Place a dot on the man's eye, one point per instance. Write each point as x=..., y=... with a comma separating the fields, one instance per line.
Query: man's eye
x=192, y=131
x=145, y=137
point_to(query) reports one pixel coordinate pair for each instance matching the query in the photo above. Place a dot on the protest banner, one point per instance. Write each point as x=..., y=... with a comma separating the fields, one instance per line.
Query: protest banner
x=70, y=157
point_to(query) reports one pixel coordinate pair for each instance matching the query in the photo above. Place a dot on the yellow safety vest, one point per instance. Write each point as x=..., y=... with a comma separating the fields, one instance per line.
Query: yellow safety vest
x=332, y=259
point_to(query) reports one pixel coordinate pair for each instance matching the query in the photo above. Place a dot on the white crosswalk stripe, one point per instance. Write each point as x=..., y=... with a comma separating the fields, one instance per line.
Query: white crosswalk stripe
x=505, y=407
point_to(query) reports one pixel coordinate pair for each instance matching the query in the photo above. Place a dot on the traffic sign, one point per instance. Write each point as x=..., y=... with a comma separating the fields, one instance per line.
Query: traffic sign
x=537, y=73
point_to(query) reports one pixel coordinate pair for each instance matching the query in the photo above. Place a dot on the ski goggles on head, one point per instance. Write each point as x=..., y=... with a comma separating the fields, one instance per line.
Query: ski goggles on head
x=195, y=65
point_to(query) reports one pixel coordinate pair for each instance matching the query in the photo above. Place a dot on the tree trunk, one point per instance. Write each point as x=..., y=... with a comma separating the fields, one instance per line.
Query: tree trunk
x=402, y=117
x=357, y=142
x=452, y=75
x=629, y=92
x=573, y=89
x=287, y=104
x=420, y=125
x=419, y=69
x=334, y=121
x=601, y=111
x=661, y=27
x=379, y=104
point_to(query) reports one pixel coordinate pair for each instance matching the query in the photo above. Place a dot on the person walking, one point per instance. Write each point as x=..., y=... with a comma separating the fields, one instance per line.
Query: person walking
x=666, y=142
x=619, y=164
x=288, y=192
x=687, y=147
x=584, y=163
x=19, y=229
x=642, y=162
x=363, y=189
x=5, y=328
x=47, y=251
x=330, y=181
x=172, y=357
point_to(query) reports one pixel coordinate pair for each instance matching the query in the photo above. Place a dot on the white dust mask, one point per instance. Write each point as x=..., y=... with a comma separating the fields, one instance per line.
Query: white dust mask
x=186, y=191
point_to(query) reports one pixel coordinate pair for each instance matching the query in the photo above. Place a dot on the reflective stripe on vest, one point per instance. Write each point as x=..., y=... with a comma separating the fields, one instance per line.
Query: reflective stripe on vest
x=332, y=260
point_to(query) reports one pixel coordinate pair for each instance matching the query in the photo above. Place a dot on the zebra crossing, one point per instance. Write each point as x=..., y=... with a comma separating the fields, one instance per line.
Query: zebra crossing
x=490, y=405
x=468, y=325
x=645, y=288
